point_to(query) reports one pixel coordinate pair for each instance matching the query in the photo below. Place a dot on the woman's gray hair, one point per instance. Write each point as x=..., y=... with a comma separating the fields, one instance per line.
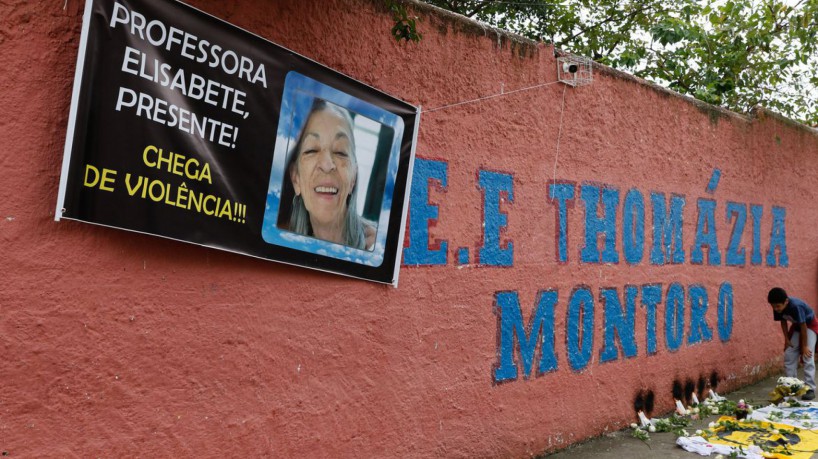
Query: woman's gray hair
x=354, y=226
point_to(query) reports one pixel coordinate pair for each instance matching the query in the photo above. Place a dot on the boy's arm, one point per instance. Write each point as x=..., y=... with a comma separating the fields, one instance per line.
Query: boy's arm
x=805, y=350
x=786, y=333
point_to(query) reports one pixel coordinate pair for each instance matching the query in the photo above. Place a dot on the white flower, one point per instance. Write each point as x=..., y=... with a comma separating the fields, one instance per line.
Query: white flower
x=774, y=432
x=741, y=402
x=792, y=383
x=696, y=410
x=633, y=425
x=687, y=412
x=698, y=431
x=685, y=433
x=715, y=410
x=712, y=425
x=652, y=428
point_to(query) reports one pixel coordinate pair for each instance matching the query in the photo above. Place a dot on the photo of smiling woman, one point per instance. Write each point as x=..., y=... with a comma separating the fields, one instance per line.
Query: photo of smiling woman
x=336, y=194
x=322, y=176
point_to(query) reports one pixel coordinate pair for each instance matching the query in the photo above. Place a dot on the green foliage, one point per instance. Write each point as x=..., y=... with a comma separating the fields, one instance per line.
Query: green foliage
x=721, y=407
x=732, y=53
x=675, y=424
x=640, y=434
x=405, y=27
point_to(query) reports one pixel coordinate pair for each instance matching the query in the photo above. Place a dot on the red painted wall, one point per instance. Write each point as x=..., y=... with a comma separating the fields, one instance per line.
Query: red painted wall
x=120, y=345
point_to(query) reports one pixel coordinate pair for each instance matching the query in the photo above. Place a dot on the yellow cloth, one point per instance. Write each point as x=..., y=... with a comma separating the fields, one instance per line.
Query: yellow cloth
x=802, y=444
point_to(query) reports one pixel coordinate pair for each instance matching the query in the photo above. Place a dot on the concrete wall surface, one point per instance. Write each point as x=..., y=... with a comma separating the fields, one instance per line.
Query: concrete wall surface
x=570, y=252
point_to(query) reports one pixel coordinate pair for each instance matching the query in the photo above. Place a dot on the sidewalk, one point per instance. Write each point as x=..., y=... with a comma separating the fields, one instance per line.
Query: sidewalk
x=621, y=445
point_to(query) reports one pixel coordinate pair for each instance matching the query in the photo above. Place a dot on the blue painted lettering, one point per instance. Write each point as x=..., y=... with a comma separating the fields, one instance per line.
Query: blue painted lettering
x=778, y=238
x=706, y=234
x=580, y=327
x=757, y=212
x=674, y=316
x=617, y=322
x=594, y=225
x=736, y=255
x=651, y=297
x=538, y=334
x=561, y=193
x=725, y=311
x=633, y=227
x=494, y=186
x=667, y=229
x=699, y=331
x=422, y=214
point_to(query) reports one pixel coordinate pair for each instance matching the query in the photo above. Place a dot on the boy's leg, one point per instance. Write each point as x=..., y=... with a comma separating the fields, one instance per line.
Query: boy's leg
x=791, y=356
x=809, y=364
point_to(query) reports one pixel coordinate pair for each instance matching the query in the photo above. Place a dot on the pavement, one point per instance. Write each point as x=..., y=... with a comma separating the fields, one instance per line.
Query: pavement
x=621, y=445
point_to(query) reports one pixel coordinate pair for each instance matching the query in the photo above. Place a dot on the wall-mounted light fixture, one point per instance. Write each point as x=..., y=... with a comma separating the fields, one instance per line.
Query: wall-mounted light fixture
x=574, y=70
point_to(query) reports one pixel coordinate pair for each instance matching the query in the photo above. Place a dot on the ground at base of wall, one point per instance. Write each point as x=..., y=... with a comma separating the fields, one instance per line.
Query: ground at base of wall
x=622, y=444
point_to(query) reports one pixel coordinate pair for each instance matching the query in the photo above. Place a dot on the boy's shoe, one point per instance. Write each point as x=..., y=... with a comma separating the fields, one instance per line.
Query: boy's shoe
x=809, y=395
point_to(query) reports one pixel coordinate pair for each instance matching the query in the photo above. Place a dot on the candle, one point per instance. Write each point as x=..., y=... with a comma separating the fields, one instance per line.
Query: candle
x=716, y=397
x=680, y=408
x=644, y=419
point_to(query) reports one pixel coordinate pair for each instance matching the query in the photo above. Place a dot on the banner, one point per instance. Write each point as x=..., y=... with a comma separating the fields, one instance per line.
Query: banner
x=804, y=416
x=754, y=440
x=189, y=128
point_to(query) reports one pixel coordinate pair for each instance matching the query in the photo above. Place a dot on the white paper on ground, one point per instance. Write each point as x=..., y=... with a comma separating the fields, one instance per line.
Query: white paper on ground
x=703, y=447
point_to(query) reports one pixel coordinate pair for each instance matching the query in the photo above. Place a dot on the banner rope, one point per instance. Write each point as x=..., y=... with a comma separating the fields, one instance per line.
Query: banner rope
x=499, y=94
x=559, y=134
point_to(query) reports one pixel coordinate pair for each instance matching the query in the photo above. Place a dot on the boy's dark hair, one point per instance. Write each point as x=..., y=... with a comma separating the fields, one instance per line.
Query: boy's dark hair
x=777, y=295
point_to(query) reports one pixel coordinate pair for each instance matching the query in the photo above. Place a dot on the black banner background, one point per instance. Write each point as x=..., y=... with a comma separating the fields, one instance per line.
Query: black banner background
x=115, y=140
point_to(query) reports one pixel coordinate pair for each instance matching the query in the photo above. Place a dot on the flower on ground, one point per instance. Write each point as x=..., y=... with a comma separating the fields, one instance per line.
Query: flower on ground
x=787, y=387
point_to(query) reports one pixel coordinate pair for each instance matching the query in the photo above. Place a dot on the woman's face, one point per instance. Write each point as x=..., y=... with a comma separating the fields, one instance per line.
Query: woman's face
x=325, y=172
